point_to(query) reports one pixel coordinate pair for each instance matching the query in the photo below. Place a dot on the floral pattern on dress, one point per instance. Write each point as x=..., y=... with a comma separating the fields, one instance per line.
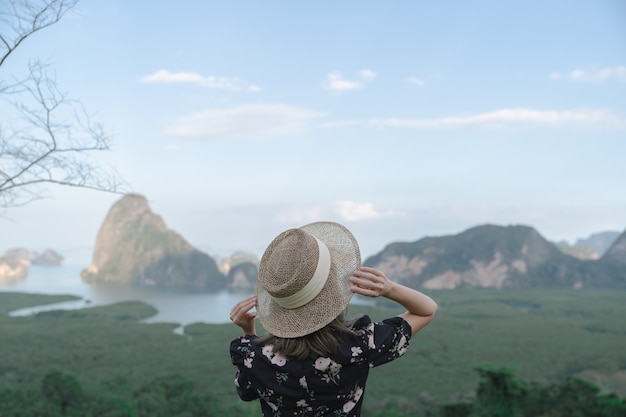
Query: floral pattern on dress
x=332, y=385
x=327, y=369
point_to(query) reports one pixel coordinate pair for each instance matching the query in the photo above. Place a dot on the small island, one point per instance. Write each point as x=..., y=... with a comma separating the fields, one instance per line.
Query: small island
x=15, y=262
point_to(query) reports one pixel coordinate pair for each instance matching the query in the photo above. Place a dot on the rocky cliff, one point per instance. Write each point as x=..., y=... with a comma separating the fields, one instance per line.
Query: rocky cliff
x=135, y=246
x=493, y=256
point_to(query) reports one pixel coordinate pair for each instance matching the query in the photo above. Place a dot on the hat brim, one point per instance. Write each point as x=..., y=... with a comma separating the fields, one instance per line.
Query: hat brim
x=332, y=299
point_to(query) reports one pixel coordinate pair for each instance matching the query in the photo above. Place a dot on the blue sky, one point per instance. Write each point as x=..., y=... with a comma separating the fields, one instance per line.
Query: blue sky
x=238, y=120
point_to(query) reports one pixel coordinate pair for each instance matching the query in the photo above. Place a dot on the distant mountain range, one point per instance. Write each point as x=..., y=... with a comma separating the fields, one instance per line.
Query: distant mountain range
x=592, y=247
x=600, y=242
x=135, y=246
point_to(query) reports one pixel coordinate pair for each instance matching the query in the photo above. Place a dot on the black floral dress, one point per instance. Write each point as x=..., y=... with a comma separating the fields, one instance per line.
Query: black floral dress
x=325, y=386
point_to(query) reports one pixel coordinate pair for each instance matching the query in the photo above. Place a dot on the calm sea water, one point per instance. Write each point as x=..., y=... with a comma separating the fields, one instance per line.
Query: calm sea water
x=174, y=306
x=182, y=307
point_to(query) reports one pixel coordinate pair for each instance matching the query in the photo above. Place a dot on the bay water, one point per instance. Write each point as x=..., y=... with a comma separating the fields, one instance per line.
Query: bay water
x=174, y=306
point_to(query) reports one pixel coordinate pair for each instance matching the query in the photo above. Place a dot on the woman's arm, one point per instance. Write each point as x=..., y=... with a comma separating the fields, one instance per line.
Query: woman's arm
x=371, y=282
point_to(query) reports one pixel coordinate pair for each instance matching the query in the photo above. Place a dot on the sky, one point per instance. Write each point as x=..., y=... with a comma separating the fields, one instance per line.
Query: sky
x=240, y=119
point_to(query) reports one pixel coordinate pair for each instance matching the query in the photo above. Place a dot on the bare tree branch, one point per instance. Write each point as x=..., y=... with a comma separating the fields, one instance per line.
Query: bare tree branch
x=27, y=17
x=46, y=138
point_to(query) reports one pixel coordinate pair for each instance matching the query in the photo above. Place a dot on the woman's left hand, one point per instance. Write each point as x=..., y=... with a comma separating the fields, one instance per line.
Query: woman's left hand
x=241, y=315
x=370, y=282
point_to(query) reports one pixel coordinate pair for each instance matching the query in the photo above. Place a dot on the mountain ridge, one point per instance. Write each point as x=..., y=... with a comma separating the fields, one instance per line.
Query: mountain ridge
x=135, y=246
x=495, y=256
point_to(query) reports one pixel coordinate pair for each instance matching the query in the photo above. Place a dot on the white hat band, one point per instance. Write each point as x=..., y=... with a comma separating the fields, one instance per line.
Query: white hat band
x=315, y=284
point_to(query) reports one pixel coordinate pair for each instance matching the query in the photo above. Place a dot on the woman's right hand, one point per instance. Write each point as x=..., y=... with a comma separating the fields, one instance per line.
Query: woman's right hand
x=370, y=282
x=241, y=315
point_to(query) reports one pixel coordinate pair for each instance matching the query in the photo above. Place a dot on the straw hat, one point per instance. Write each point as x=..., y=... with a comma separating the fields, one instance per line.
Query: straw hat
x=303, y=281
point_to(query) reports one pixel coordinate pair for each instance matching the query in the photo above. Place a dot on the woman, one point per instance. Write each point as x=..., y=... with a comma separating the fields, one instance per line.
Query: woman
x=312, y=362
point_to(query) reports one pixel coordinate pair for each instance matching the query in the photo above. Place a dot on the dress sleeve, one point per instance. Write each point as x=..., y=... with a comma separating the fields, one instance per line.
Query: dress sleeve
x=383, y=341
x=242, y=355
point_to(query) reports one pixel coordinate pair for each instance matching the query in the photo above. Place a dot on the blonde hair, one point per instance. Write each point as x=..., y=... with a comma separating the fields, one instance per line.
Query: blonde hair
x=322, y=342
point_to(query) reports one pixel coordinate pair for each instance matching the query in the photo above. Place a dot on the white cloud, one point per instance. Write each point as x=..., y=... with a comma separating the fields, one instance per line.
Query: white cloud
x=593, y=76
x=356, y=211
x=367, y=75
x=209, y=81
x=336, y=82
x=416, y=81
x=247, y=121
x=342, y=210
x=509, y=116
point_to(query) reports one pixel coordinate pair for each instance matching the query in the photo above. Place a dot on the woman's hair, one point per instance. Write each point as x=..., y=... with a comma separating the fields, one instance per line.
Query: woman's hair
x=322, y=342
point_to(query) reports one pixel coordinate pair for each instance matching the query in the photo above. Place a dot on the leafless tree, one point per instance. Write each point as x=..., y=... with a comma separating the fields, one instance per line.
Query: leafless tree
x=45, y=137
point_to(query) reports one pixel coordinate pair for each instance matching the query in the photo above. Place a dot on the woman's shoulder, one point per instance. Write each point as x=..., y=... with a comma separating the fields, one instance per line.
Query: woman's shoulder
x=375, y=333
x=379, y=342
x=366, y=323
x=244, y=340
x=361, y=323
